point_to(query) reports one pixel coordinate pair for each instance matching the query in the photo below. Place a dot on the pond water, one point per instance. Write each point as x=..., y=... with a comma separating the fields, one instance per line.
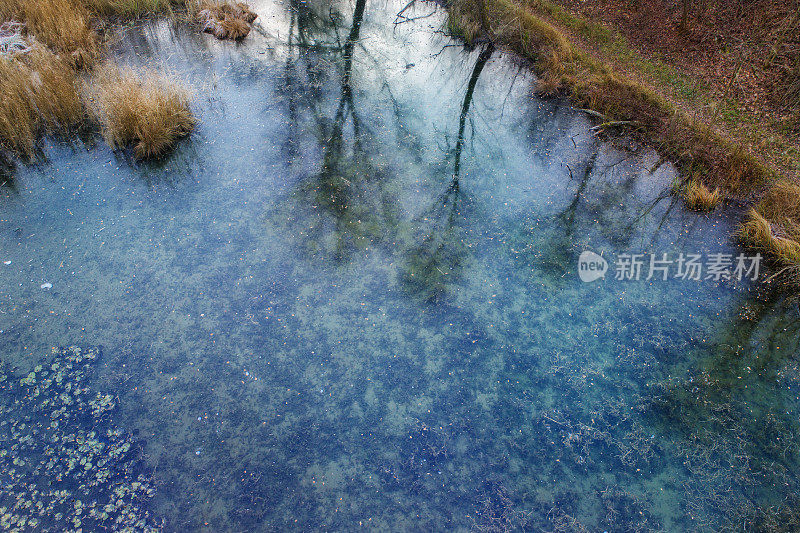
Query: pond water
x=351, y=298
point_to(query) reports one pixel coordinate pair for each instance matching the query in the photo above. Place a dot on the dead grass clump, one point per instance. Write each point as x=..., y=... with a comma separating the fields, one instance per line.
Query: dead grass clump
x=39, y=96
x=55, y=92
x=466, y=19
x=698, y=197
x=626, y=100
x=63, y=25
x=781, y=205
x=224, y=19
x=758, y=232
x=128, y=8
x=696, y=148
x=525, y=31
x=553, y=76
x=17, y=114
x=774, y=227
x=141, y=108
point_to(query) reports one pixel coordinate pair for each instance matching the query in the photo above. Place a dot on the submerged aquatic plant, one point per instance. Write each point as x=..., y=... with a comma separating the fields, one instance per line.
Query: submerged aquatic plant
x=63, y=464
x=141, y=108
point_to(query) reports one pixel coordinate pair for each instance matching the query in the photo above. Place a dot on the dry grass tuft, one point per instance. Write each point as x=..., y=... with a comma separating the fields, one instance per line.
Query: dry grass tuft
x=17, y=117
x=55, y=91
x=225, y=19
x=141, y=108
x=525, y=31
x=781, y=205
x=759, y=233
x=698, y=197
x=466, y=19
x=774, y=227
x=128, y=8
x=63, y=25
x=39, y=96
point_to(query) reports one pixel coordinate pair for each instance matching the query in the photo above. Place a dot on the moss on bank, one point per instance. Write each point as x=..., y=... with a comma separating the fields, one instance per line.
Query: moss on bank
x=536, y=30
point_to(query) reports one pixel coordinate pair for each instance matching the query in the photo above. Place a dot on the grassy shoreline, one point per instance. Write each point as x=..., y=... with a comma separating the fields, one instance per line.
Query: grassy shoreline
x=708, y=162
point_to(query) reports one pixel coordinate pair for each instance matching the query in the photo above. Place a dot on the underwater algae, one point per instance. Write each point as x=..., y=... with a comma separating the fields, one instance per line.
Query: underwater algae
x=349, y=301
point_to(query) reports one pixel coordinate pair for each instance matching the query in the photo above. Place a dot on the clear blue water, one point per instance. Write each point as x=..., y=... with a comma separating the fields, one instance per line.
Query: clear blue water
x=311, y=322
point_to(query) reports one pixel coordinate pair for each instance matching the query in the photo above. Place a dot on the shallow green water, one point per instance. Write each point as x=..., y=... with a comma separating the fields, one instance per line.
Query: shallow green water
x=311, y=320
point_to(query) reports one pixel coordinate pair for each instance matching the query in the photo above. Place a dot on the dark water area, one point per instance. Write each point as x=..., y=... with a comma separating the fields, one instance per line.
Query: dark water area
x=351, y=299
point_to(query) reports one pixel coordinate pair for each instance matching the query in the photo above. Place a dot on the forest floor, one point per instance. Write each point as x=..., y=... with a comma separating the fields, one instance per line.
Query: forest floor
x=732, y=65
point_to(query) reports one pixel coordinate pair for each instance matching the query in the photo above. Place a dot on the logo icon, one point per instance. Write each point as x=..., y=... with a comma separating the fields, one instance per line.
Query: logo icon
x=591, y=266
